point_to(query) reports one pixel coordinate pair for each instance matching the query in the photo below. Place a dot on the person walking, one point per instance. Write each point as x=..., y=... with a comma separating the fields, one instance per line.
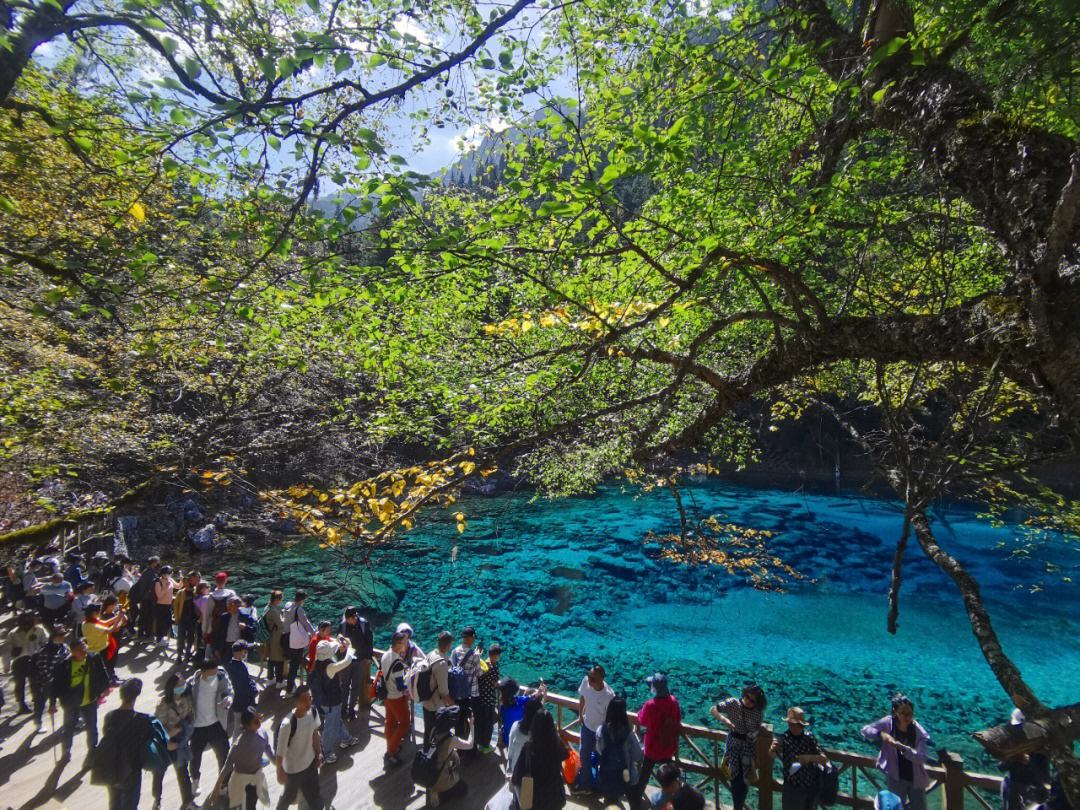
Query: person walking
x=126, y=735
x=245, y=692
x=243, y=772
x=326, y=675
x=594, y=695
x=396, y=705
x=619, y=754
x=438, y=669
x=661, y=719
x=273, y=623
x=743, y=716
x=299, y=754
x=801, y=759
x=212, y=696
x=300, y=631
x=356, y=680
x=23, y=642
x=44, y=665
x=186, y=618
x=905, y=745
x=78, y=683
x=176, y=711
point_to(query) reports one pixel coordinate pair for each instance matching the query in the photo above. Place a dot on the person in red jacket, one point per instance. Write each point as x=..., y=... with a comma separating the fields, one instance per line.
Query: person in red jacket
x=661, y=720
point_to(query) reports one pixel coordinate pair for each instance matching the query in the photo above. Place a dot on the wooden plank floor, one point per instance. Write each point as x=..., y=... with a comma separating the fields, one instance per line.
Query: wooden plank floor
x=30, y=776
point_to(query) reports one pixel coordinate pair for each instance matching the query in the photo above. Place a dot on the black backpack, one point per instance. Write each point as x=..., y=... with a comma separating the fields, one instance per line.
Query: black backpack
x=425, y=767
x=110, y=761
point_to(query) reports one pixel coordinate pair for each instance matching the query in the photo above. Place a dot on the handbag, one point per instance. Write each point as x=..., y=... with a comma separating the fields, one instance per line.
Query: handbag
x=571, y=766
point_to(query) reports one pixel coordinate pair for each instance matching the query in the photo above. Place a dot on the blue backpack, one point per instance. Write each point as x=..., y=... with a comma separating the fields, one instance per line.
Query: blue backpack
x=158, y=757
x=458, y=680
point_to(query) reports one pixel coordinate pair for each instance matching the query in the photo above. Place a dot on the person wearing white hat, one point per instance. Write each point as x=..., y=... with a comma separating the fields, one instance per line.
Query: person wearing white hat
x=800, y=757
x=413, y=651
x=324, y=676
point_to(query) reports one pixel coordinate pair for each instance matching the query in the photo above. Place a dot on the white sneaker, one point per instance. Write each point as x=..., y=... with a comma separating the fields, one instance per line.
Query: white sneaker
x=330, y=758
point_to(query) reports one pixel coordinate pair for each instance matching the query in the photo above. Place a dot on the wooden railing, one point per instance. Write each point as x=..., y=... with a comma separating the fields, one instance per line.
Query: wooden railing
x=701, y=751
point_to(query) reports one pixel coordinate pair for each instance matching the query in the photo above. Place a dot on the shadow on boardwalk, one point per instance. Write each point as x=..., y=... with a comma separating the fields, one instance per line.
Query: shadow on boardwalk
x=32, y=776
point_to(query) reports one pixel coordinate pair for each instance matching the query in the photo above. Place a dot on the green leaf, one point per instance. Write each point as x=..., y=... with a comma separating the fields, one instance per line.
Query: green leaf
x=376, y=60
x=342, y=62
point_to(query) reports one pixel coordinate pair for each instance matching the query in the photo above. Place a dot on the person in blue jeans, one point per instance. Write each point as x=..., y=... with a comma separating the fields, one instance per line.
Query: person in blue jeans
x=594, y=695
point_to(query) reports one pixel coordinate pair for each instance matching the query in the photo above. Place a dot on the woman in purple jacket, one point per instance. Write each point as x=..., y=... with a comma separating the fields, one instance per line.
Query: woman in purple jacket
x=904, y=748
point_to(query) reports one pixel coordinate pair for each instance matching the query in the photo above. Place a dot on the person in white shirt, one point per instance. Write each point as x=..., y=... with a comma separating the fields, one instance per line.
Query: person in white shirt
x=212, y=695
x=298, y=632
x=594, y=695
x=439, y=667
x=299, y=753
x=392, y=670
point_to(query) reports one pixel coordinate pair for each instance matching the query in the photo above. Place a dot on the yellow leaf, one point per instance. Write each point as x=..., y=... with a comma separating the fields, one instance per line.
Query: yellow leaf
x=138, y=211
x=459, y=517
x=467, y=467
x=461, y=528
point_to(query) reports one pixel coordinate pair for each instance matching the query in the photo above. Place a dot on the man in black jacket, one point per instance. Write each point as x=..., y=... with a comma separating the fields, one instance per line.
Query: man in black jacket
x=78, y=683
x=356, y=679
x=44, y=666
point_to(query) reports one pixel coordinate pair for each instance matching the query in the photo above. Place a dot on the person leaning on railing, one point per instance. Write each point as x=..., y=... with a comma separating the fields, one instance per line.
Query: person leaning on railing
x=905, y=746
x=800, y=755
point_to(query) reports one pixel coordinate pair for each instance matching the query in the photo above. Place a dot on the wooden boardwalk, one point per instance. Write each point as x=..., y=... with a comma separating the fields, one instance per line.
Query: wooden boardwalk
x=30, y=776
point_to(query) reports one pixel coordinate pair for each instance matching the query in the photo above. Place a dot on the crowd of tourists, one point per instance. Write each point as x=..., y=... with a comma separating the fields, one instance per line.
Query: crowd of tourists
x=72, y=616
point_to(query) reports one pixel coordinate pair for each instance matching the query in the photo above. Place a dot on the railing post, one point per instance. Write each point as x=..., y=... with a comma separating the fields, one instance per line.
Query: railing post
x=764, y=758
x=952, y=795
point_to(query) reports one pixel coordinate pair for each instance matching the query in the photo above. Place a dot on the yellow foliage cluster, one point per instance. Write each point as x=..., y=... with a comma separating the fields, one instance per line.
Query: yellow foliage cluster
x=372, y=509
x=601, y=316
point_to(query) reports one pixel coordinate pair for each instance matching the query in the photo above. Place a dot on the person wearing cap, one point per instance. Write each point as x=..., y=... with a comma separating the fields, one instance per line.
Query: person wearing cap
x=1027, y=776
x=245, y=692
x=396, y=705
x=164, y=594
x=449, y=785
x=743, y=716
x=356, y=679
x=413, y=651
x=298, y=631
x=905, y=746
x=512, y=702
x=439, y=668
x=243, y=769
x=661, y=721
x=467, y=657
x=800, y=759
x=212, y=695
x=594, y=695
x=676, y=794
x=487, y=702
x=327, y=691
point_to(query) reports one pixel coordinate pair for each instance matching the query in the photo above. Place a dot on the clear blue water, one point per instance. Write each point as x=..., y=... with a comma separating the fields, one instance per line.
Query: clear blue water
x=563, y=583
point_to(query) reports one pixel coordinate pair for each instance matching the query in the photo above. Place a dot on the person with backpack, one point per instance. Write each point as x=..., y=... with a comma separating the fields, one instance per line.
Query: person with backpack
x=594, y=695
x=243, y=772
x=186, y=618
x=619, y=754
x=326, y=676
x=905, y=746
x=44, y=664
x=212, y=695
x=273, y=623
x=299, y=753
x=487, y=700
x=392, y=671
x=437, y=768
x=245, y=692
x=743, y=716
x=216, y=605
x=176, y=713
x=120, y=758
x=537, y=780
x=78, y=682
x=438, y=686
x=661, y=719
x=299, y=630
x=800, y=757
x=464, y=678
x=356, y=679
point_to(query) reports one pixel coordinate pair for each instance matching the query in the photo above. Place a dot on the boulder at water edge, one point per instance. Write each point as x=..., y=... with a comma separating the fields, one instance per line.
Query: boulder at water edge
x=205, y=538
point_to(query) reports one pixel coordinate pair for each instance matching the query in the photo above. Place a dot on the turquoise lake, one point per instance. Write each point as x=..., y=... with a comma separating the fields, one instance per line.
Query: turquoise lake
x=562, y=583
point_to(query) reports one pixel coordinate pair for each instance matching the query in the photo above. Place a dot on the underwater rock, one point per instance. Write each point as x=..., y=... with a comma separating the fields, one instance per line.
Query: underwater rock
x=566, y=572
